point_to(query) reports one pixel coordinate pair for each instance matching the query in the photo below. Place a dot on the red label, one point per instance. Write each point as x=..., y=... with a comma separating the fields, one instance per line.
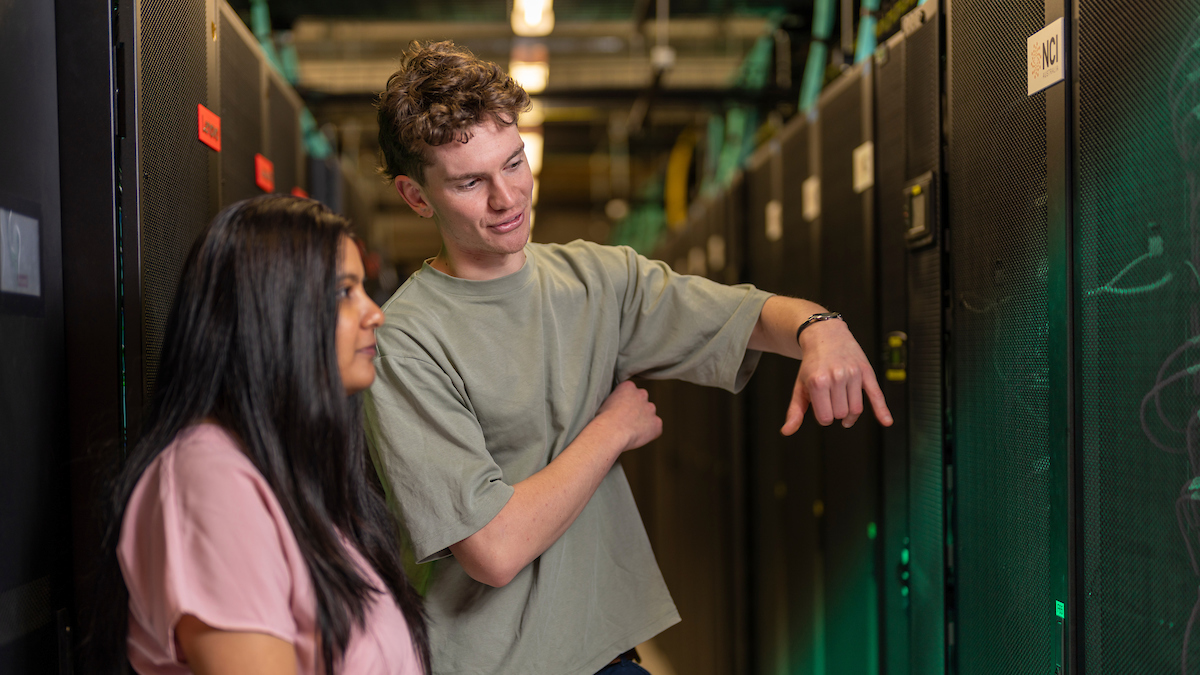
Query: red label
x=210, y=128
x=264, y=173
x=299, y=192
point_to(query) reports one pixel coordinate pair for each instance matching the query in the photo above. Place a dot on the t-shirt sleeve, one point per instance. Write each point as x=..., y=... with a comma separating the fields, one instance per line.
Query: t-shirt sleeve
x=202, y=539
x=684, y=327
x=431, y=454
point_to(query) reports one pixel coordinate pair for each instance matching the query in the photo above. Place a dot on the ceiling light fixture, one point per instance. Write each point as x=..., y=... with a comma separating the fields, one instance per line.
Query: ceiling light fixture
x=534, y=147
x=532, y=18
x=531, y=75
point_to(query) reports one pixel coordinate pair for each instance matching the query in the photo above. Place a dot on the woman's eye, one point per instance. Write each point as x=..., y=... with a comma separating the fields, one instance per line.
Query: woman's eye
x=343, y=292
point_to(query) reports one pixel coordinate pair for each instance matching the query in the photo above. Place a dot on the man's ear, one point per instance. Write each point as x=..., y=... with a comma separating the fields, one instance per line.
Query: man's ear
x=414, y=196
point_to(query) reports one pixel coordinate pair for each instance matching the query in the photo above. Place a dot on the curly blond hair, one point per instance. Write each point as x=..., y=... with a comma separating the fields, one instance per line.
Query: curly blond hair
x=439, y=94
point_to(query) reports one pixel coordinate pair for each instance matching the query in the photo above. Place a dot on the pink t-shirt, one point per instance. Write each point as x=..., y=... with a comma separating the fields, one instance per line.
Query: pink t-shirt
x=204, y=535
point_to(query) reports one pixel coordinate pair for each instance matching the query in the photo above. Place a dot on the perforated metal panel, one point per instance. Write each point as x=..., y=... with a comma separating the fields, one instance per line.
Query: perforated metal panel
x=1137, y=249
x=893, y=317
x=850, y=474
x=283, y=135
x=998, y=227
x=175, y=186
x=784, y=472
x=800, y=457
x=241, y=110
x=926, y=286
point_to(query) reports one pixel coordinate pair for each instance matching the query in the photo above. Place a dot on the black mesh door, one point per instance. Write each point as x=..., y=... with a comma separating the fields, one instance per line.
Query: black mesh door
x=175, y=188
x=997, y=159
x=1137, y=249
x=890, y=361
x=925, y=562
x=850, y=457
x=241, y=110
x=282, y=141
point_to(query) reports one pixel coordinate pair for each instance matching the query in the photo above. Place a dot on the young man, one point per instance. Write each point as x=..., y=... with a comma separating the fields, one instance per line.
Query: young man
x=503, y=401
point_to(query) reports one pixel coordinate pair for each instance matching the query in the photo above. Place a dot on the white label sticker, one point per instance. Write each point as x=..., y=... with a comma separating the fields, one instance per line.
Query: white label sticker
x=810, y=194
x=864, y=167
x=1044, y=57
x=20, y=259
x=774, y=220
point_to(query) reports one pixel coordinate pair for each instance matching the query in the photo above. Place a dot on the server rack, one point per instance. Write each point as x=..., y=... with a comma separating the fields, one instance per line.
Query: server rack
x=284, y=144
x=1136, y=247
x=168, y=179
x=891, y=364
x=850, y=478
x=787, y=553
x=1009, y=358
x=35, y=534
x=768, y=579
x=925, y=241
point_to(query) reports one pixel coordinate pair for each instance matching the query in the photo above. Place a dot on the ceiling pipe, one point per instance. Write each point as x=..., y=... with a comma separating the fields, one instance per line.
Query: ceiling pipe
x=866, y=30
x=818, y=50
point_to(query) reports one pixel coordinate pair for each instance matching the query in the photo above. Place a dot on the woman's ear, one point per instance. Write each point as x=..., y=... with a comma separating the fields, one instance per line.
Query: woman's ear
x=414, y=196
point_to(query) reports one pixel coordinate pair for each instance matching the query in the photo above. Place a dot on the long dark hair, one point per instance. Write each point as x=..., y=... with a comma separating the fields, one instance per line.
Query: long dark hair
x=250, y=342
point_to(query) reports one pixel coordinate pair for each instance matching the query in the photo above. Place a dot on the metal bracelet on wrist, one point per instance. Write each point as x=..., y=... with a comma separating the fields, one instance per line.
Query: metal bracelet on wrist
x=816, y=318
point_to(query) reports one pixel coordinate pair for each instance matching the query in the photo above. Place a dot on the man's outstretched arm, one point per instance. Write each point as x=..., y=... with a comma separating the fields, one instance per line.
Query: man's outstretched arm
x=834, y=371
x=544, y=505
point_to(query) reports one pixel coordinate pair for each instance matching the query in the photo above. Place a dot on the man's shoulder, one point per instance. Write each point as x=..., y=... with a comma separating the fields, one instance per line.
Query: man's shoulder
x=580, y=257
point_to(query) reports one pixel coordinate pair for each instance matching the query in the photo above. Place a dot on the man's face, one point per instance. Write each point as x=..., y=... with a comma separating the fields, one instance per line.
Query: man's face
x=479, y=193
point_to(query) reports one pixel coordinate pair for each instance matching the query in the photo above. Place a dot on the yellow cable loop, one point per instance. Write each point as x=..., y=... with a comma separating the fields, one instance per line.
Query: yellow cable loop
x=675, y=190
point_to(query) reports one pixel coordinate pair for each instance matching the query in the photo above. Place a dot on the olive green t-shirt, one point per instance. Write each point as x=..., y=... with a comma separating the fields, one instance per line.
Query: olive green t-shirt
x=482, y=383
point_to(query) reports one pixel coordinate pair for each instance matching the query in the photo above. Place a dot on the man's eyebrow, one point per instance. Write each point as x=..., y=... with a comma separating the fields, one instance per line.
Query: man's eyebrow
x=467, y=176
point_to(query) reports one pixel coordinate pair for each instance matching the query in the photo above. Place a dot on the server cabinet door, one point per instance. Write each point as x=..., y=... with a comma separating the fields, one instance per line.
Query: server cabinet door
x=35, y=525
x=1137, y=249
x=926, y=272
x=891, y=360
x=850, y=457
x=999, y=199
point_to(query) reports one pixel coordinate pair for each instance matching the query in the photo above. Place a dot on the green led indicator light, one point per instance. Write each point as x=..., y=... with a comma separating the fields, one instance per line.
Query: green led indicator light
x=903, y=556
x=1060, y=609
x=904, y=591
x=871, y=530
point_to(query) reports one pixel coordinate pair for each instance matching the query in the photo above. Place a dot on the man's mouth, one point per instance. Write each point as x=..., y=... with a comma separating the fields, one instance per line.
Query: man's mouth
x=510, y=224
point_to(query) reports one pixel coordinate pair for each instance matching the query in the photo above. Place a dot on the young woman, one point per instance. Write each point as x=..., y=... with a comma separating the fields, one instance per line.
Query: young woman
x=253, y=536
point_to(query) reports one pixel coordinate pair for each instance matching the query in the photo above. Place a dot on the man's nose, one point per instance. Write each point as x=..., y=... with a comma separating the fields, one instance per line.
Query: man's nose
x=504, y=194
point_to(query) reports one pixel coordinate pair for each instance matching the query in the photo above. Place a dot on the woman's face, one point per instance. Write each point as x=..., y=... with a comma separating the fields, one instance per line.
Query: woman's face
x=358, y=317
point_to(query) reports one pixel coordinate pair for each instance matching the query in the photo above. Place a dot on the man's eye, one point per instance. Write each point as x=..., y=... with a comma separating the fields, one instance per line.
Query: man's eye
x=469, y=184
x=516, y=164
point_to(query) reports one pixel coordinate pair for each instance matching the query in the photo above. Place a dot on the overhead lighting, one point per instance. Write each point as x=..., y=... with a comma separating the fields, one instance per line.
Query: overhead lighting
x=531, y=75
x=534, y=146
x=534, y=116
x=532, y=18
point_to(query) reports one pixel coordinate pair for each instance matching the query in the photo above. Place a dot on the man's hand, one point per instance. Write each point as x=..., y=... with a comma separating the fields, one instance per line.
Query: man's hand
x=628, y=410
x=832, y=379
x=834, y=372
x=544, y=505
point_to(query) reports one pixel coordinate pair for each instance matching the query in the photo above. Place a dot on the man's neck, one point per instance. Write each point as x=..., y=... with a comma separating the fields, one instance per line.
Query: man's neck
x=478, y=268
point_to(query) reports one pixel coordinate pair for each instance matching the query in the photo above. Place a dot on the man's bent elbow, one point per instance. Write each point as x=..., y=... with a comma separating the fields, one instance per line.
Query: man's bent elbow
x=486, y=567
x=494, y=575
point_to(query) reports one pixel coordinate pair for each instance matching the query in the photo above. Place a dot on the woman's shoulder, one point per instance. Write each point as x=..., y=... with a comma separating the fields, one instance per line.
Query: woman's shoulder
x=202, y=473
x=205, y=453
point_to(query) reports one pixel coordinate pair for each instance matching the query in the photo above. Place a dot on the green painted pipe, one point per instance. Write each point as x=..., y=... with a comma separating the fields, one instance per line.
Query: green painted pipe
x=866, y=31
x=814, y=69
